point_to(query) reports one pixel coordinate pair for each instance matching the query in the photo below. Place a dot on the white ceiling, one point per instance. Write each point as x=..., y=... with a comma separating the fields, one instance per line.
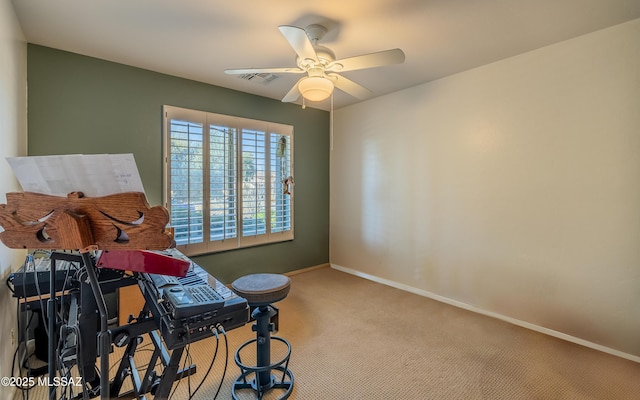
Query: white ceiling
x=199, y=39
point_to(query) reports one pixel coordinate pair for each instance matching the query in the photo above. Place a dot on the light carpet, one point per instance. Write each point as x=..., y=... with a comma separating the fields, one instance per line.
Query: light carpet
x=356, y=339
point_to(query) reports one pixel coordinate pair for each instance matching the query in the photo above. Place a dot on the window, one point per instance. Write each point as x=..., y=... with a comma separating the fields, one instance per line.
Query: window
x=226, y=180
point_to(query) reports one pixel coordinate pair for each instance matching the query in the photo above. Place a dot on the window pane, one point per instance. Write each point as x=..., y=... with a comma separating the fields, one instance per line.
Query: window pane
x=280, y=194
x=186, y=197
x=253, y=183
x=222, y=182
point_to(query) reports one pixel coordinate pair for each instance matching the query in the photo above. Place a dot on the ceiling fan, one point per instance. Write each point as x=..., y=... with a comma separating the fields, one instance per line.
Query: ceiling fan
x=321, y=67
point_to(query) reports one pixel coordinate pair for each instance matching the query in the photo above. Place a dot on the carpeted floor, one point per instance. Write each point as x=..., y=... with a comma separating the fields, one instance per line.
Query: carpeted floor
x=356, y=339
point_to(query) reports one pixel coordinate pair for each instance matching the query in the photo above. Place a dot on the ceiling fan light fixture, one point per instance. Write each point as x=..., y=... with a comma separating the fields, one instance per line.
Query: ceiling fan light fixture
x=315, y=88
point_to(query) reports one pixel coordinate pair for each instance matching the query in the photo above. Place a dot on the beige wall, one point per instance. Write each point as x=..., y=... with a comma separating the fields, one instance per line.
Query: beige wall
x=13, y=139
x=512, y=189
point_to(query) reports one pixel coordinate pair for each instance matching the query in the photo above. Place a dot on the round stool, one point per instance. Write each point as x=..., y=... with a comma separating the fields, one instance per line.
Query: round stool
x=261, y=291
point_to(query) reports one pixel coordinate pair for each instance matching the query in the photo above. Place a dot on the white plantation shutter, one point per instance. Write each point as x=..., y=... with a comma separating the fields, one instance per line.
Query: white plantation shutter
x=280, y=159
x=254, y=183
x=224, y=180
x=222, y=186
x=186, y=181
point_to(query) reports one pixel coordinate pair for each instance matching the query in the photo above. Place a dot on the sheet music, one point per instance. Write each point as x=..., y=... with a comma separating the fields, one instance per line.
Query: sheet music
x=94, y=174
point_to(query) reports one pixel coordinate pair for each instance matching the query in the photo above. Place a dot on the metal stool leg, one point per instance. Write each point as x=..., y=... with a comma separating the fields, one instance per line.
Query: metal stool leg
x=263, y=330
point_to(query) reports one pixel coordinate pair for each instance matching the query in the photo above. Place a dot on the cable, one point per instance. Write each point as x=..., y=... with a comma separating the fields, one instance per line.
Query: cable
x=218, y=329
x=13, y=365
x=65, y=330
x=331, y=125
x=189, y=373
x=64, y=285
x=15, y=354
x=42, y=305
x=214, y=330
x=79, y=347
x=79, y=359
x=24, y=390
x=184, y=364
x=226, y=358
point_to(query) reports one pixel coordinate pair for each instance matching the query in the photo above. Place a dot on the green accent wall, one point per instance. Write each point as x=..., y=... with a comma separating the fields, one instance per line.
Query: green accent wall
x=84, y=105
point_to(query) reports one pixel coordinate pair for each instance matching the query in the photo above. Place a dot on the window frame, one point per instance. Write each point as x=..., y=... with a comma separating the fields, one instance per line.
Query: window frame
x=209, y=120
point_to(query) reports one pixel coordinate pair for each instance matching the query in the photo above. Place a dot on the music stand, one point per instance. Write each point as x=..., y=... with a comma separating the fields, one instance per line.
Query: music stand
x=122, y=221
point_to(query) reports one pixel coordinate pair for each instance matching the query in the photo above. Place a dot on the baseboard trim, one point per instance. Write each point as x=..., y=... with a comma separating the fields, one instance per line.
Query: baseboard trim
x=491, y=314
x=308, y=269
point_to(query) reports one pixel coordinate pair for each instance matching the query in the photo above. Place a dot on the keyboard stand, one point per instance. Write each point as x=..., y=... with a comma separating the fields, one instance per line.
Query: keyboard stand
x=160, y=387
x=172, y=374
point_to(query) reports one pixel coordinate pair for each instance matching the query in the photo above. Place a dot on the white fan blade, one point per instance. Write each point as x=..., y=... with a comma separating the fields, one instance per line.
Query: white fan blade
x=350, y=87
x=300, y=42
x=395, y=56
x=284, y=70
x=294, y=93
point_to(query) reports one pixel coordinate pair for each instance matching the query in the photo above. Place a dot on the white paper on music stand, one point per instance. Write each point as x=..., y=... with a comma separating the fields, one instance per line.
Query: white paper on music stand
x=94, y=175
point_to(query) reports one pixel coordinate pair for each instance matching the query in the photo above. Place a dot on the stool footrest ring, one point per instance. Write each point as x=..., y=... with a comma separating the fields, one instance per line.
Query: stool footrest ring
x=260, y=388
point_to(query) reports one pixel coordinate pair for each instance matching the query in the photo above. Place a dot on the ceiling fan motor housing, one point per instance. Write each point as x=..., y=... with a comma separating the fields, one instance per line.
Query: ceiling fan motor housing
x=315, y=32
x=325, y=58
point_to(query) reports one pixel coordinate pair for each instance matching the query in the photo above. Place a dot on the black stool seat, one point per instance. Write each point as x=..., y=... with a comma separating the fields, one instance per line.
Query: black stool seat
x=262, y=289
